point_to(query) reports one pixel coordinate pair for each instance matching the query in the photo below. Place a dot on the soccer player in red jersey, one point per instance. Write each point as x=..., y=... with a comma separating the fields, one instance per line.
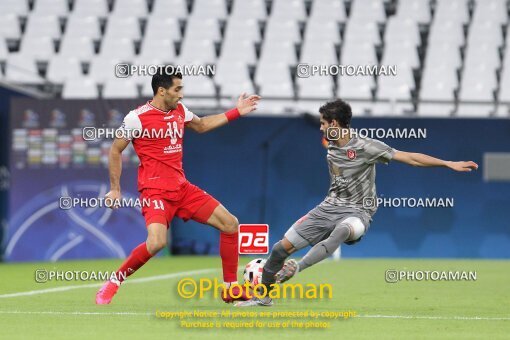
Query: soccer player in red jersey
x=156, y=130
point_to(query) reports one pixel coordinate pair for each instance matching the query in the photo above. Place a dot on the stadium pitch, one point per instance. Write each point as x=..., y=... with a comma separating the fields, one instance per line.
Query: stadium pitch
x=409, y=309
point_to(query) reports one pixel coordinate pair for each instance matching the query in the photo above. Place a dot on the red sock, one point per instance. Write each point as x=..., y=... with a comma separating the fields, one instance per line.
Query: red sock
x=229, y=256
x=138, y=257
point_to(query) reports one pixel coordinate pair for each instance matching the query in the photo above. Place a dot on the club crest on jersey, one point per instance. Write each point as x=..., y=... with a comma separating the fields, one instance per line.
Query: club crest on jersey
x=351, y=154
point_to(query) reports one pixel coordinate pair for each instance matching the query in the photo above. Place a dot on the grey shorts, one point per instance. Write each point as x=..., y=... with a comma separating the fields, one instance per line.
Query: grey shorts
x=318, y=224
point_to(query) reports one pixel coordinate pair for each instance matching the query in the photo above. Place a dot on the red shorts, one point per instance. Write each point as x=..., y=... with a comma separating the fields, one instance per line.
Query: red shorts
x=189, y=202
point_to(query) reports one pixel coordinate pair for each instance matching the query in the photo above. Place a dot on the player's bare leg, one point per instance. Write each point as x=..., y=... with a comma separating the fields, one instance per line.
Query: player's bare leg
x=156, y=240
x=228, y=225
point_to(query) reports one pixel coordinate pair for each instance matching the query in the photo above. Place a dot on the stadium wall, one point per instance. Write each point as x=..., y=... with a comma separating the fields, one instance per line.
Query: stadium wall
x=264, y=170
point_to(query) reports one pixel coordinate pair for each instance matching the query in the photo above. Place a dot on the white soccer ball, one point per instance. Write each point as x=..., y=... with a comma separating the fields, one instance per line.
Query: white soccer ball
x=253, y=271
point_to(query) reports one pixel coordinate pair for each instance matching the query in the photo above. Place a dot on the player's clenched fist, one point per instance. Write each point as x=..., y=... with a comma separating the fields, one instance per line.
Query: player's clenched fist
x=247, y=104
x=113, y=199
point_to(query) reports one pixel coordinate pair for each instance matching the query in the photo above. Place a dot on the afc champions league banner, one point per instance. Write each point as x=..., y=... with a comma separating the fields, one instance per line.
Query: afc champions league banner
x=51, y=162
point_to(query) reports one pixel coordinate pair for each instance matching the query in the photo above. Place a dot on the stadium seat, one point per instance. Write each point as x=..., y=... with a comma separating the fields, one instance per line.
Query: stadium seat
x=50, y=7
x=328, y=31
x=40, y=48
x=120, y=88
x=446, y=31
x=285, y=50
x=398, y=30
x=197, y=51
x=358, y=54
x=494, y=11
x=42, y=26
x=82, y=26
x=416, y=10
x=452, y=10
x=368, y=11
x=9, y=26
x=123, y=27
x=318, y=52
x=443, y=110
x=254, y=9
x=162, y=28
x=207, y=9
x=21, y=69
x=271, y=72
x=328, y=10
x=61, y=68
x=396, y=87
x=282, y=30
x=90, y=8
x=233, y=79
x=243, y=29
x=277, y=107
x=288, y=9
x=475, y=110
x=169, y=9
x=230, y=71
x=102, y=69
x=238, y=51
x=355, y=87
x=4, y=52
x=13, y=7
x=126, y=8
x=80, y=88
x=165, y=48
x=202, y=28
x=362, y=32
x=82, y=48
x=199, y=86
x=113, y=47
x=320, y=87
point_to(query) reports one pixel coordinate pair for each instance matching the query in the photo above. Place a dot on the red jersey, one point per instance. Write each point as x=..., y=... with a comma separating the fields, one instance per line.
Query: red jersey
x=157, y=139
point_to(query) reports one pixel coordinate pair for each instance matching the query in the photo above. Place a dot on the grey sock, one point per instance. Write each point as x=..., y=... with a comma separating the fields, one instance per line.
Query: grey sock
x=325, y=248
x=274, y=264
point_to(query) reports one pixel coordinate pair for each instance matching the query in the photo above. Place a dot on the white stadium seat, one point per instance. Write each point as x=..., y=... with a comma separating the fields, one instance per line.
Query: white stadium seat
x=11, y=7
x=169, y=9
x=61, y=68
x=90, y=8
x=120, y=88
x=80, y=88
x=126, y=8
x=51, y=7
x=22, y=69
x=207, y=9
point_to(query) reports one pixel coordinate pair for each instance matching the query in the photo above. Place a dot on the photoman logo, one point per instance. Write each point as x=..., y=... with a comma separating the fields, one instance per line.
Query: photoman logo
x=253, y=238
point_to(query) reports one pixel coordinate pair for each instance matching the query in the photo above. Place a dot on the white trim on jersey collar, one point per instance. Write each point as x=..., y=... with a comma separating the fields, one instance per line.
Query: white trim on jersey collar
x=167, y=112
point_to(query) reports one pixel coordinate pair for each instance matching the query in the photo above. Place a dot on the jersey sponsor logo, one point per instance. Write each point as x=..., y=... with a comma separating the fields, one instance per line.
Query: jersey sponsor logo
x=253, y=238
x=351, y=154
x=172, y=149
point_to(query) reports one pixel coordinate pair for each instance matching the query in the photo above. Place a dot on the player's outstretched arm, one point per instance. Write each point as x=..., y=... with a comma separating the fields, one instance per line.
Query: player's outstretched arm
x=115, y=168
x=245, y=104
x=419, y=159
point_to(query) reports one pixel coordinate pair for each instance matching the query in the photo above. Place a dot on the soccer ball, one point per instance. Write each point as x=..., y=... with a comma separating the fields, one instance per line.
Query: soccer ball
x=253, y=271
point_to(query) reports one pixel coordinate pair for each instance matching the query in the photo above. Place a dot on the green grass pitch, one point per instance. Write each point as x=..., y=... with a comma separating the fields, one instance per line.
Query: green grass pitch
x=405, y=310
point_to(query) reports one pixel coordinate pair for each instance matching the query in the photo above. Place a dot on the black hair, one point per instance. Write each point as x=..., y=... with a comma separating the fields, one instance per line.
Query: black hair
x=164, y=78
x=338, y=110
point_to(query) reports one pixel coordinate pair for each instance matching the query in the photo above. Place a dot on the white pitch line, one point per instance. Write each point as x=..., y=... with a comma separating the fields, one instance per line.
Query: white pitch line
x=93, y=285
x=74, y=313
x=425, y=317
x=460, y=318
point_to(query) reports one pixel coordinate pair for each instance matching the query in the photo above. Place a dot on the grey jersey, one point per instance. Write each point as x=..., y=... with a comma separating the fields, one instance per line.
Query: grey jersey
x=352, y=172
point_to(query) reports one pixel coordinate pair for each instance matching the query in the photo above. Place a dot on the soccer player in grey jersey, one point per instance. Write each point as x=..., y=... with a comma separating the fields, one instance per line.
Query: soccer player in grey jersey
x=346, y=212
